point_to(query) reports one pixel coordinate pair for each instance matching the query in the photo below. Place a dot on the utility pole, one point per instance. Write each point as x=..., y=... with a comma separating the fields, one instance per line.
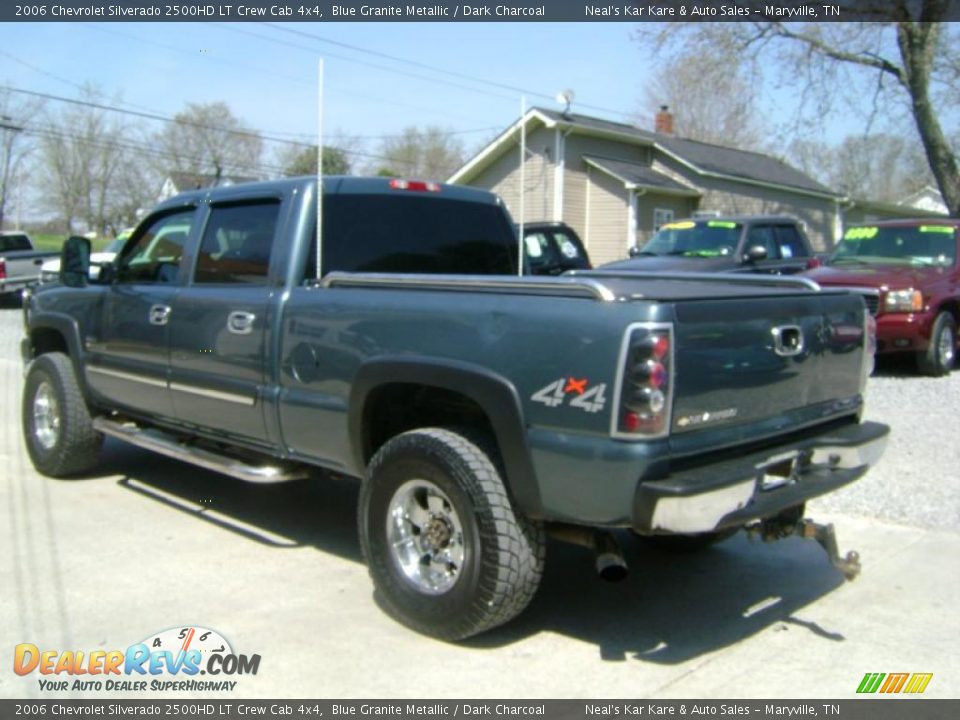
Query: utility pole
x=9, y=136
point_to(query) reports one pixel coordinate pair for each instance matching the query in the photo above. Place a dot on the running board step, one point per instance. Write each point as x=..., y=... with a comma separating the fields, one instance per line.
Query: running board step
x=170, y=446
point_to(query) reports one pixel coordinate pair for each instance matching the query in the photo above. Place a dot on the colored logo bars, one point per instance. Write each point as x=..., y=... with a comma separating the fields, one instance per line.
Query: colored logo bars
x=913, y=683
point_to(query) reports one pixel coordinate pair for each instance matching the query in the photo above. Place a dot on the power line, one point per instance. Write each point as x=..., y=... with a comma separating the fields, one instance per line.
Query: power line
x=433, y=68
x=157, y=115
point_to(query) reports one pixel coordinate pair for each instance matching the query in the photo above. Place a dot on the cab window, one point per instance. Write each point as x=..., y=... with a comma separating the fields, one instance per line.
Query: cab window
x=155, y=255
x=237, y=243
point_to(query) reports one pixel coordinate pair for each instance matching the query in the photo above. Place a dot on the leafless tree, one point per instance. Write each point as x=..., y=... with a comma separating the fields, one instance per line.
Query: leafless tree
x=877, y=167
x=711, y=96
x=16, y=144
x=82, y=151
x=910, y=63
x=208, y=139
x=431, y=153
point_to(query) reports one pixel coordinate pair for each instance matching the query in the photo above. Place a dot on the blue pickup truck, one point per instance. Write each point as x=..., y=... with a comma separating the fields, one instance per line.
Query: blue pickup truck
x=481, y=410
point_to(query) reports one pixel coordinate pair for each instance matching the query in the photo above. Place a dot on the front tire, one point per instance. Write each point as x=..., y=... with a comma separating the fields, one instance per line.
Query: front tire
x=57, y=426
x=939, y=357
x=449, y=555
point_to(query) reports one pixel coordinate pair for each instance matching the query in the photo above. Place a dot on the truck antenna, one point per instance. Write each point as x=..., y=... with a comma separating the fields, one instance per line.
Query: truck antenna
x=523, y=181
x=319, y=239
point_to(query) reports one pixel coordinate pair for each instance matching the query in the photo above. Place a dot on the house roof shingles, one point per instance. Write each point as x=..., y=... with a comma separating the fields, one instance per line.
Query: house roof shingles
x=717, y=159
x=640, y=175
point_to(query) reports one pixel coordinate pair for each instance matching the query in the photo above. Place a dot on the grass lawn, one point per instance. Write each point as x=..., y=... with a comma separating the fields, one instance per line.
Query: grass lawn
x=53, y=243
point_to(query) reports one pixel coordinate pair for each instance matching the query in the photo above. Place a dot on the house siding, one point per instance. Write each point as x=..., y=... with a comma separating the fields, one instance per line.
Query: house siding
x=503, y=177
x=729, y=197
x=646, y=203
x=606, y=221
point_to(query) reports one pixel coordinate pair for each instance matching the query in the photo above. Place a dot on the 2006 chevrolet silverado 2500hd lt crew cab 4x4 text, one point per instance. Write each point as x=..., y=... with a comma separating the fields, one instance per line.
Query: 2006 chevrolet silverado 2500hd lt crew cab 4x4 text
x=480, y=408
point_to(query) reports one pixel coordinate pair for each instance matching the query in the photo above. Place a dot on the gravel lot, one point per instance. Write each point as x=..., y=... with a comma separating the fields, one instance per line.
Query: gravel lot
x=918, y=480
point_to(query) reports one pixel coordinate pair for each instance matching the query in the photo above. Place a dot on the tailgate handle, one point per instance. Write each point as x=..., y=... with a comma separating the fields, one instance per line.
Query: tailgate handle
x=787, y=340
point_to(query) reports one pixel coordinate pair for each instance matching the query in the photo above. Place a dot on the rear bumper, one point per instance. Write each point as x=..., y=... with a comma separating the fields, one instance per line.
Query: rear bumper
x=733, y=492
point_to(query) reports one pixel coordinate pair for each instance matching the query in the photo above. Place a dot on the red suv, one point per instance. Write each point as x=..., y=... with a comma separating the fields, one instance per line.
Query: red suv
x=912, y=264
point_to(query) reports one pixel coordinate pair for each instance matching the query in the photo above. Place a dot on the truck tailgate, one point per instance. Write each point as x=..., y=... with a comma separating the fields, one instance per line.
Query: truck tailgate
x=766, y=365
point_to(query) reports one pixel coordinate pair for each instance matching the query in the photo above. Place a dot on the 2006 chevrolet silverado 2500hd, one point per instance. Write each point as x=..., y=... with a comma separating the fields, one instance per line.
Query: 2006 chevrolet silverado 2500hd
x=480, y=408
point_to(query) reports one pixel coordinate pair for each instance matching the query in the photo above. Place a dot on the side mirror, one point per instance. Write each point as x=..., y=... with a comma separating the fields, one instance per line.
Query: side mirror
x=75, y=261
x=634, y=250
x=755, y=253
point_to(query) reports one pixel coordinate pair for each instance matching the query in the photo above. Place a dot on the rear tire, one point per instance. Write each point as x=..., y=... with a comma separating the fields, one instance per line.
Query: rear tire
x=449, y=555
x=57, y=426
x=940, y=355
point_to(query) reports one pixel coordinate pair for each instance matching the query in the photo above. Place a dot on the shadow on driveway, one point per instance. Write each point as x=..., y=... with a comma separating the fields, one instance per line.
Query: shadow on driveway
x=671, y=608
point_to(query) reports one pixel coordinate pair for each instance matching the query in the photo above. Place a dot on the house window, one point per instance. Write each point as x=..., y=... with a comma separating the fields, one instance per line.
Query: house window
x=661, y=216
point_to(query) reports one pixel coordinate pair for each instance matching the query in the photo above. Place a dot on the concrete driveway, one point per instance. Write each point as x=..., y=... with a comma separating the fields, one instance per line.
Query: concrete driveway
x=146, y=544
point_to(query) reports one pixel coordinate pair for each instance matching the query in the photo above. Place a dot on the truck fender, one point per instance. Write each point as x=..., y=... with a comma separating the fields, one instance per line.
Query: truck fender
x=66, y=327
x=495, y=395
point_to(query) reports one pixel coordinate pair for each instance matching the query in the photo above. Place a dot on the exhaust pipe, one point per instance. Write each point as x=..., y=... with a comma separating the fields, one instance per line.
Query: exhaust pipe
x=609, y=562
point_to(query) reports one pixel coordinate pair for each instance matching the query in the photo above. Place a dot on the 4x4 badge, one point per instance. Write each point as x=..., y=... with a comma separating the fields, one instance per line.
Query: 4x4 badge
x=589, y=399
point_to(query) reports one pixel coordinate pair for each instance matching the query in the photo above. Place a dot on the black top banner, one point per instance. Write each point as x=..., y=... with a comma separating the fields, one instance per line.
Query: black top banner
x=481, y=11
x=235, y=709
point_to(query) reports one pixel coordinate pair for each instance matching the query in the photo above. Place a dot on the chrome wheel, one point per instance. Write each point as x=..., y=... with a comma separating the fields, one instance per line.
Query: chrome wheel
x=425, y=536
x=946, y=347
x=46, y=416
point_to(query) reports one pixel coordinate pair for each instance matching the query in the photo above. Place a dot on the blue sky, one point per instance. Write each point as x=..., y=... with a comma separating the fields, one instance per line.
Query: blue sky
x=268, y=76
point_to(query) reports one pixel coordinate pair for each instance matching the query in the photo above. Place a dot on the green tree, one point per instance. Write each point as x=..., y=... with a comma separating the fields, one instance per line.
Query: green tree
x=296, y=160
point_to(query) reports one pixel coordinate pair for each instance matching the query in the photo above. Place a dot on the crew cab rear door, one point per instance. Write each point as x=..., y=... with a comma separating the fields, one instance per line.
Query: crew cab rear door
x=218, y=326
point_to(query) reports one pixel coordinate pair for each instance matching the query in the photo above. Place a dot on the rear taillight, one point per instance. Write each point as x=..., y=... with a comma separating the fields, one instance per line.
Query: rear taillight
x=3, y=269
x=645, y=387
x=414, y=185
x=813, y=263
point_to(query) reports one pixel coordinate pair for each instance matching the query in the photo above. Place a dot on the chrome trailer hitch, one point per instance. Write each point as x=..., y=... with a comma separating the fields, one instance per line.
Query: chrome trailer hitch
x=791, y=522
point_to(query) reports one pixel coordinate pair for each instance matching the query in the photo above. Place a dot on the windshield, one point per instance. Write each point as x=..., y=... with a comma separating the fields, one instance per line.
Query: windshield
x=917, y=245
x=708, y=238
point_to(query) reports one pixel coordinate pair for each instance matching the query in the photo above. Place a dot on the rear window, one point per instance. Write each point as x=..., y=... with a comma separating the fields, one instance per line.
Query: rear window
x=415, y=234
x=12, y=243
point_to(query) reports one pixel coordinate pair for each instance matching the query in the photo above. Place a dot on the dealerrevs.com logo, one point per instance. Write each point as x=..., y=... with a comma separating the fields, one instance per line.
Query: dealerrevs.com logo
x=167, y=661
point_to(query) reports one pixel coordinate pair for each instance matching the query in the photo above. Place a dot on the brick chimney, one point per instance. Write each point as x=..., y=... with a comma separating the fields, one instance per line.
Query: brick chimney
x=664, y=121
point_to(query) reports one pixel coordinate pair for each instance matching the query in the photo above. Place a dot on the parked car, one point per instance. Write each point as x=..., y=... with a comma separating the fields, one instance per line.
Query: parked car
x=552, y=248
x=19, y=262
x=741, y=243
x=910, y=267
x=480, y=409
x=50, y=270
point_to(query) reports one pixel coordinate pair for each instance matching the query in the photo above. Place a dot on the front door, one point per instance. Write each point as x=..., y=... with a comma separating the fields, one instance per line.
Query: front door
x=129, y=361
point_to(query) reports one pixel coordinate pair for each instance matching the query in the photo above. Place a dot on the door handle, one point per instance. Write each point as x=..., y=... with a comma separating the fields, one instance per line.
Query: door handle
x=159, y=314
x=240, y=322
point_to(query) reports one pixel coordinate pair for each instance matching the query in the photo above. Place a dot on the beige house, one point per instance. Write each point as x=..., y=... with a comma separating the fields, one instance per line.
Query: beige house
x=615, y=184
